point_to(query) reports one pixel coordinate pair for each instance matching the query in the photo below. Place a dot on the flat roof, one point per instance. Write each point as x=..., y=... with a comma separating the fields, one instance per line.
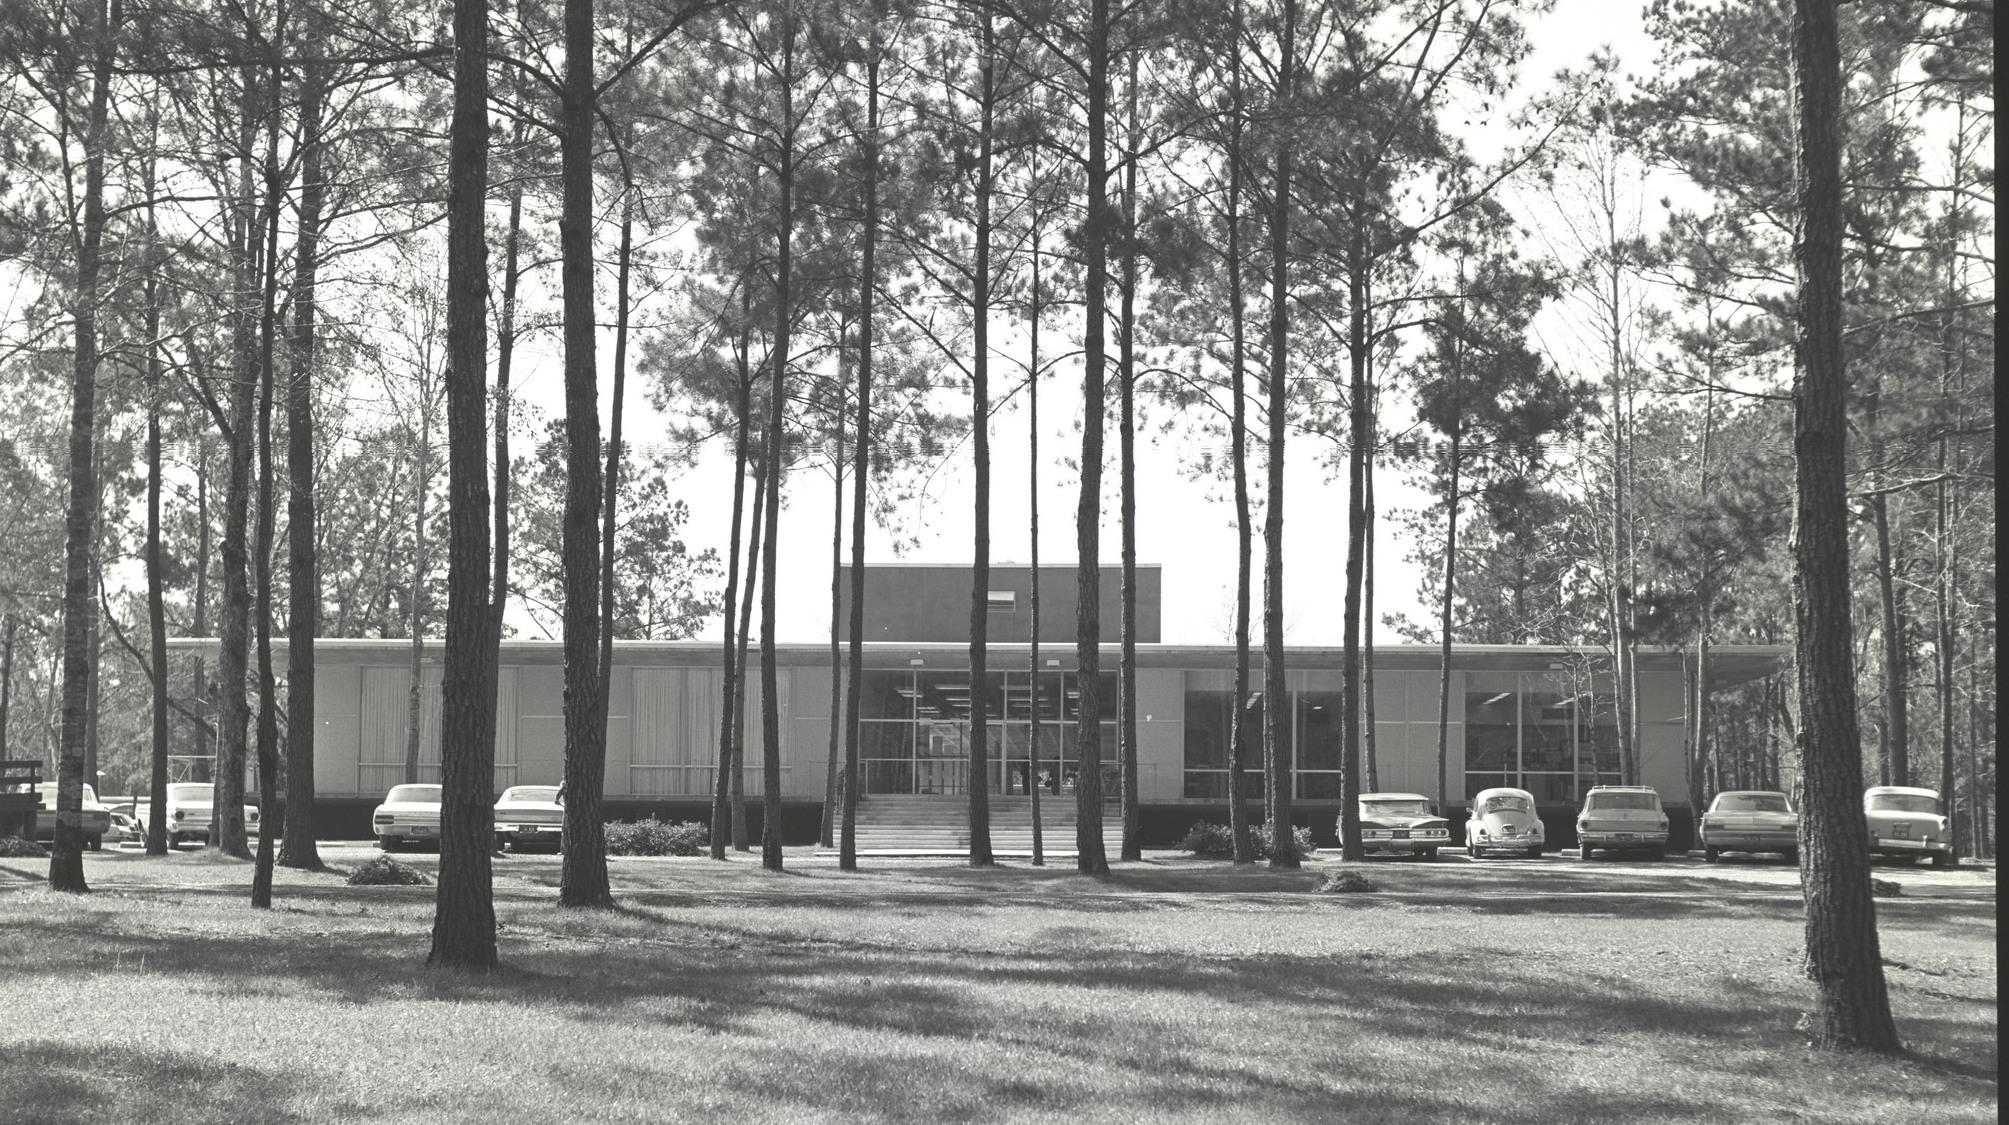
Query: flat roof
x=1729, y=665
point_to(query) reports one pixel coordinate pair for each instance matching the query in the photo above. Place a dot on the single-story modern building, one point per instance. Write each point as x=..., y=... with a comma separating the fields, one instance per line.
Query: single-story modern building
x=1536, y=717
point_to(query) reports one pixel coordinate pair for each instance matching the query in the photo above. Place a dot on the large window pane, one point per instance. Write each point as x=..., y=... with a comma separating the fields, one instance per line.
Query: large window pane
x=1318, y=744
x=886, y=695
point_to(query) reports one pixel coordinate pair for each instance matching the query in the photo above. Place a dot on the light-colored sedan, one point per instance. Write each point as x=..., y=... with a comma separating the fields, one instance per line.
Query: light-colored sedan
x=528, y=814
x=1751, y=820
x=1504, y=820
x=1401, y=824
x=189, y=811
x=1906, y=821
x=1619, y=818
x=409, y=812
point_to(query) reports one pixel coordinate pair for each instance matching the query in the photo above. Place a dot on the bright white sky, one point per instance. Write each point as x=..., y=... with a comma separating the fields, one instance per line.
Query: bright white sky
x=1185, y=526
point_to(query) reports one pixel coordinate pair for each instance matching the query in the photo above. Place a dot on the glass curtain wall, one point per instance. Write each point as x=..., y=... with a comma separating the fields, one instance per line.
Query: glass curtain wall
x=1210, y=728
x=1536, y=732
x=915, y=731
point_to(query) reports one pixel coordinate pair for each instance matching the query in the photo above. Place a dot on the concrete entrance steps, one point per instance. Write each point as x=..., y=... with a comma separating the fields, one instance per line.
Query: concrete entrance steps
x=940, y=825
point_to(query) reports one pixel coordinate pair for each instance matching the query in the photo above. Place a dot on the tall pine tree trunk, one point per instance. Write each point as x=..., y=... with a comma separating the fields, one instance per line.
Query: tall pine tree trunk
x=1131, y=848
x=66, y=854
x=156, y=580
x=1238, y=736
x=415, y=662
x=1360, y=431
x=1276, y=699
x=749, y=587
x=303, y=573
x=1090, y=858
x=268, y=332
x=777, y=435
x=583, y=873
x=729, y=662
x=1894, y=737
x=463, y=933
x=1842, y=951
x=980, y=423
x=226, y=824
x=1034, y=784
x=861, y=473
x=826, y=831
x=610, y=497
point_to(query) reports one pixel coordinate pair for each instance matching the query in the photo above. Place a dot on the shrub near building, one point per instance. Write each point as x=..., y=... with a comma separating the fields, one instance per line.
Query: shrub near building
x=656, y=837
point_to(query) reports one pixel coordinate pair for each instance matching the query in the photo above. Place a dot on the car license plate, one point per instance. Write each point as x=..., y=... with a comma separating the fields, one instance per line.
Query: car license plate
x=1402, y=833
x=1900, y=830
x=529, y=829
x=1626, y=836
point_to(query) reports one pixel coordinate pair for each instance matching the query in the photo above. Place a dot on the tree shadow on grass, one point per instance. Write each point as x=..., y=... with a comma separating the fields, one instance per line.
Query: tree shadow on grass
x=919, y=1033
x=51, y=1083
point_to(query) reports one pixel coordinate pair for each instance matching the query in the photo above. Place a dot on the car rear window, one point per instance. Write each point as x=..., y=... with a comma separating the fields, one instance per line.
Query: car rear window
x=196, y=792
x=1648, y=801
x=1752, y=802
x=531, y=793
x=416, y=794
x=1903, y=802
x=1395, y=808
x=1507, y=803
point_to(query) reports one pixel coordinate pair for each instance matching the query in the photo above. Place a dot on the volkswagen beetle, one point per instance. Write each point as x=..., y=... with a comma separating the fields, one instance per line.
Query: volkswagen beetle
x=1504, y=820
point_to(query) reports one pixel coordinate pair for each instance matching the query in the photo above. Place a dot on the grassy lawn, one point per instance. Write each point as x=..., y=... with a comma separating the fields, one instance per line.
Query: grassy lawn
x=921, y=991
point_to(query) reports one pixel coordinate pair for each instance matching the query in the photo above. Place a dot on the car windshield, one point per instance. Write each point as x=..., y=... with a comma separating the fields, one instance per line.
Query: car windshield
x=1405, y=807
x=188, y=793
x=1903, y=802
x=529, y=794
x=1648, y=801
x=1507, y=802
x=1752, y=802
x=413, y=794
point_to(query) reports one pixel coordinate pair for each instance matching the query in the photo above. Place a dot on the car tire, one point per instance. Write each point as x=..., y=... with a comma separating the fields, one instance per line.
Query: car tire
x=95, y=843
x=1792, y=856
x=1709, y=855
x=1535, y=852
x=1583, y=852
x=1657, y=852
x=1429, y=853
x=501, y=843
x=390, y=843
x=1942, y=860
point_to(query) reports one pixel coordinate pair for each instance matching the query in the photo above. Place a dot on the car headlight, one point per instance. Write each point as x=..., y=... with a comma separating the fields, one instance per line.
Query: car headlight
x=175, y=815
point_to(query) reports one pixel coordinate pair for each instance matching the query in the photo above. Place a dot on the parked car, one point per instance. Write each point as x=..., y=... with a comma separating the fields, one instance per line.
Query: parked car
x=189, y=811
x=125, y=829
x=1906, y=821
x=409, y=812
x=1504, y=820
x=96, y=822
x=1617, y=818
x=1401, y=824
x=528, y=814
x=1751, y=820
